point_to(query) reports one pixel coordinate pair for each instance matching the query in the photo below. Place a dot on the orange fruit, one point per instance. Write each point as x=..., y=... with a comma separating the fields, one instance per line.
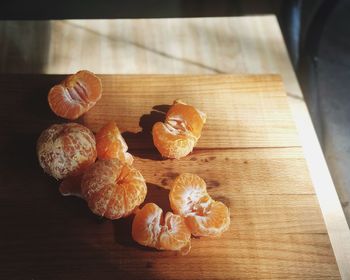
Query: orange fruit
x=66, y=149
x=203, y=215
x=186, y=116
x=150, y=228
x=177, y=136
x=172, y=143
x=111, y=144
x=112, y=188
x=75, y=95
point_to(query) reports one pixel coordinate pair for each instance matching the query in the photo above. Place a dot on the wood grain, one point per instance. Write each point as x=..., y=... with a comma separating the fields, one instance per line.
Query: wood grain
x=277, y=230
x=248, y=169
x=243, y=111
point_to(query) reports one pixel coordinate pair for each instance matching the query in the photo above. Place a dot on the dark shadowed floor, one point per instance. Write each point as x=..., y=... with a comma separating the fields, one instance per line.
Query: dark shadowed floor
x=330, y=98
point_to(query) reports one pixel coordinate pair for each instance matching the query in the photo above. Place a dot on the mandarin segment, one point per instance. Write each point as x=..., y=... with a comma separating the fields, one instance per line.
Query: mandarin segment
x=146, y=225
x=213, y=221
x=113, y=189
x=192, y=119
x=66, y=150
x=76, y=95
x=111, y=144
x=203, y=215
x=171, y=142
x=187, y=193
x=177, y=136
x=151, y=229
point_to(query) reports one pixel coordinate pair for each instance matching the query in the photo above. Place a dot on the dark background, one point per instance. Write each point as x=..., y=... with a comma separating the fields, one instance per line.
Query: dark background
x=73, y=9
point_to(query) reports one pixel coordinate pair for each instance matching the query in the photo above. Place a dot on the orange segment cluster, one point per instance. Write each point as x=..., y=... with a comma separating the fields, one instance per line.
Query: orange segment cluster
x=110, y=144
x=203, y=215
x=75, y=95
x=112, y=188
x=177, y=136
x=151, y=229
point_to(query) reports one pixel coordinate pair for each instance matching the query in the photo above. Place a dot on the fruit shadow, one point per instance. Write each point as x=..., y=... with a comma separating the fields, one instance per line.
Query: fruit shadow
x=122, y=227
x=141, y=143
x=26, y=117
x=79, y=245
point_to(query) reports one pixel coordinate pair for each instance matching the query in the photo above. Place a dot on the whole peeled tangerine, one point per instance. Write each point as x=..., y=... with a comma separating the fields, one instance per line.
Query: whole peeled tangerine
x=113, y=188
x=66, y=150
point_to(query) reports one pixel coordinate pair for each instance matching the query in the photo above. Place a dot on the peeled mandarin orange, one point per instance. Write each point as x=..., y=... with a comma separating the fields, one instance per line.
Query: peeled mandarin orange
x=112, y=188
x=111, y=144
x=187, y=116
x=66, y=150
x=171, y=142
x=203, y=215
x=149, y=228
x=75, y=95
x=177, y=136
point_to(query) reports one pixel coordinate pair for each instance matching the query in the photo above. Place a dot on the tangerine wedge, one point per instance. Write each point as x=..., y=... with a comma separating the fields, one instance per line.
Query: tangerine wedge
x=177, y=136
x=66, y=150
x=111, y=144
x=186, y=116
x=75, y=95
x=171, y=142
x=149, y=228
x=203, y=215
x=112, y=188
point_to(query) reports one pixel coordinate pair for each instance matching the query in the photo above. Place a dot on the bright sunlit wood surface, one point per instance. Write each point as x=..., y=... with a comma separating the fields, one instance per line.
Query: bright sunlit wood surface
x=177, y=46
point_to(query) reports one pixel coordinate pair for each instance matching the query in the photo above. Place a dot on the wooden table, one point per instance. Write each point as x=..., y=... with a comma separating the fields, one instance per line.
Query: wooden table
x=249, y=155
x=193, y=46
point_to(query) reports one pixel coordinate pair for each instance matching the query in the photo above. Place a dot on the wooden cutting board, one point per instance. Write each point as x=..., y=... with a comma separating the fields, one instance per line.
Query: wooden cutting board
x=248, y=154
